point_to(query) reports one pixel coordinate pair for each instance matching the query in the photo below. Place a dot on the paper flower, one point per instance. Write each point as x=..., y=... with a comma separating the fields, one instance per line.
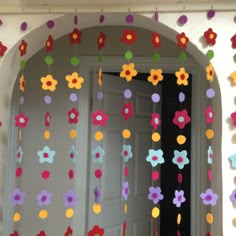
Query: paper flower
x=210, y=37
x=3, y=49
x=73, y=115
x=155, y=157
x=210, y=72
x=156, y=40
x=97, y=194
x=127, y=110
x=233, y=77
x=98, y=154
x=72, y=153
x=126, y=152
x=17, y=197
x=209, y=197
x=233, y=40
x=232, y=158
x=233, y=116
x=21, y=120
x=74, y=81
x=155, y=194
x=99, y=118
x=180, y=158
x=233, y=197
x=128, y=71
x=44, y=198
x=101, y=41
x=15, y=233
x=22, y=83
x=128, y=37
x=47, y=119
x=209, y=155
x=41, y=233
x=156, y=120
x=23, y=48
x=19, y=154
x=75, y=36
x=49, y=43
x=70, y=199
x=46, y=155
x=182, y=76
x=125, y=190
x=155, y=76
x=181, y=118
x=209, y=115
x=96, y=231
x=69, y=231
x=48, y=83
x=179, y=198
x=182, y=40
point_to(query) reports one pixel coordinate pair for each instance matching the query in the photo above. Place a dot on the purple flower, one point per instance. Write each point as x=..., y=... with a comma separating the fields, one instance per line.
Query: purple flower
x=233, y=197
x=155, y=194
x=17, y=197
x=179, y=198
x=44, y=198
x=70, y=198
x=125, y=190
x=209, y=197
x=97, y=194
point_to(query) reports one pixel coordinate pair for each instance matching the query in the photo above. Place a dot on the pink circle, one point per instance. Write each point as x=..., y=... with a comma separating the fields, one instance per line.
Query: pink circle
x=71, y=174
x=155, y=175
x=45, y=174
x=19, y=172
x=126, y=171
x=98, y=173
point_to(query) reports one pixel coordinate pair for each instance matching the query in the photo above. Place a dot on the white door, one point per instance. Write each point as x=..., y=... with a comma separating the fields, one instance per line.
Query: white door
x=138, y=217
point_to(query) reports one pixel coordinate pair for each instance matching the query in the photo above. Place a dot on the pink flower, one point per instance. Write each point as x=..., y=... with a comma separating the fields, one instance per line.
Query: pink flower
x=209, y=115
x=127, y=110
x=21, y=120
x=47, y=119
x=156, y=120
x=73, y=115
x=181, y=118
x=99, y=118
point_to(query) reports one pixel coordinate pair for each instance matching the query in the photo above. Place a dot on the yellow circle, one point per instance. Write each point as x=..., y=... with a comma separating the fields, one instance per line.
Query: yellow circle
x=16, y=217
x=179, y=219
x=98, y=136
x=73, y=134
x=209, y=133
x=43, y=214
x=155, y=212
x=47, y=135
x=126, y=133
x=156, y=137
x=181, y=139
x=125, y=209
x=20, y=135
x=234, y=221
x=97, y=208
x=69, y=212
x=209, y=218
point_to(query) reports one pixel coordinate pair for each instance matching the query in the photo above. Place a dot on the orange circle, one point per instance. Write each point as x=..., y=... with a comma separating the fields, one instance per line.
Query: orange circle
x=156, y=137
x=98, y=136
x=181, y=139
x=209, y=133
x=73, y=134
x=126, y=133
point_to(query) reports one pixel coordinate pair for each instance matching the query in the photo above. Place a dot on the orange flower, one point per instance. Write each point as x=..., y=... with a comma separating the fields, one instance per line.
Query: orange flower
x=210, y=72
x=182, y=77
x=74, y=80
x=48, y=83
x=155, y=76
x=128, y=71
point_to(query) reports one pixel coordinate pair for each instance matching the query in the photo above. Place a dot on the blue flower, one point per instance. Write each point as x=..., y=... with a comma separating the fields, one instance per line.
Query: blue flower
x=233, y=160
x=209, y=155
x=180, y=158
x=126, y=152
x=155, y=157
x=19, y=154
x=72, y=153
x=98, y=154
x=46, y=155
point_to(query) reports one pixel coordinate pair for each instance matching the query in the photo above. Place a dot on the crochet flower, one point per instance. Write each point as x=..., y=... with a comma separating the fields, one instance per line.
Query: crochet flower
x=179, y=198
x=72, y=153
x=99, y=118
x=23, y=48
x=47, y=119
x=155, y=76
x=46, y=155
x=182, y=77
x=49, y=43
x=156, y=40
x=48, y=83
x=70, y=198
x=17, y=197
x=181, y=118
x=19, y=154
x=75, y=36
x=233, y=197
x=232, y=158
x=182, y=40
x=96, y=231
x=156, y=120
x=125, y=190
x=128, y=37
x=155, y=194
x=74, y=81
x=69, y=231
x=126, y=152
x=128, y=71
x=101, y=41
x=15, y=233
x=210, y=72
x=127, y=110
x=22, y=83
x=44, y=198
x=209, y=197
x=3, y=49
x=73, y=115
x=41, y=233
x=21, y=120
x=180, y=158
x=209, y=115
x=209, y=155
x=233, y=40
x=97, y=194
x=98, y=154
x=155, y=157
x=210, y=37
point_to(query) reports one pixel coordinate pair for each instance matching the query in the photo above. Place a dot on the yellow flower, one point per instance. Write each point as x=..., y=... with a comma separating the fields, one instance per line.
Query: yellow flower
x=74, y=80
x=182, y=76
x=210, y=72
x=233, y=77
x=155, y=76
x=128, y=71
x=22, y=83
x=100, y=77
x=48, y=83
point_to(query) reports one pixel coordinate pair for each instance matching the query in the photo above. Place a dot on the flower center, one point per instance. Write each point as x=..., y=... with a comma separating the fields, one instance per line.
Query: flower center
x=126, y=190
x=126, y=110
x=43, y=198
x=21, y=120
x=74, y=36
x=17, y=197
x=155, y=77
x=74, y=81
x=182, y=76
x=22, y=47
x=211, y=72
x=154, y=195
x=18, y=154
x=183, y=40
x=45, y=155
x=127, y=72
x=181, y=119
x=69, y=199
x=125, y=153
x=210, y=114
x=155, y=158
x=157, y=40
x=97, y=155
x=48, y=83
x=208, y=197
x=100, y=41
x=72, y=115
x=72, y=155
x=180, y=159
x=211, y=36
x=129, y=36
x=179, y=198
x=99, y=118
x=156, y=121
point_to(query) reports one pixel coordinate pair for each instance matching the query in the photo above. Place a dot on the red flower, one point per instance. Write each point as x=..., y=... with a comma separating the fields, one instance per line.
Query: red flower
x=47, y=119
x=182, y=40
x=101, y=41
x=209, y=115
x=73, y=115
x=99, y=118
x=181, y=118
x=23, y=47
x=15, y=233
x=75, y=36
x=156, y=40
x=49, y=43
x=210, y=37
x=156, y=120
x=41, y=233
x=69, y=231
x=233, y=116
x=21, y=120
x=128, y=36
x=3, y=49
x=96, y=231
x=233, y=40
x=127, y=110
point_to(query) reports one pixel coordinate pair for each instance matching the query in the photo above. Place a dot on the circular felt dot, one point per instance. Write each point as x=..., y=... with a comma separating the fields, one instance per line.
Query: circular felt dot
x=98, y=173
x=209, y=133
x=19, y=172
x=43, y=214
x=126, y=171
x=20, y=135
x=47, y=135
x=73, y=97
x=100, y=96
x=179, y=219
x=97, y=208
x=209, y=218
x=50, y=24
x=210, y=14
x=210, y=93
x=125, y=208
x=182, y=19
x=234, y=222
x=69, y=213
x=156, y=137
x=22, y=100
x=101, y=18
x=181, y=97
x=156, y=16
x=126, y=133
x=70, y=174
x=98, y=136
x=48, y=99
x=129, y=19
x=155, y=175
x=75, y=20
x=17, y=217
x=23, y=26
x=155, y=97
x=45, y=174
x=73, y=134
x=155, y=212
x=127, y=93
x=181, y=139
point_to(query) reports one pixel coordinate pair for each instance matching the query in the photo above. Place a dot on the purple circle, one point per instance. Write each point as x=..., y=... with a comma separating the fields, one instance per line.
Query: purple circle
x=156, y=16
x=73, y=97
x=23, y=26
x=48, y=99
x=211, y=14
x=100, y=95
x=75, y=20
x=182, y=19
x=181, y=97
x=127, y=93
x=155, y=97
x=50, y=24
x=210, y=93
x=129, y=19
x=22, y=100
x=101, y=18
